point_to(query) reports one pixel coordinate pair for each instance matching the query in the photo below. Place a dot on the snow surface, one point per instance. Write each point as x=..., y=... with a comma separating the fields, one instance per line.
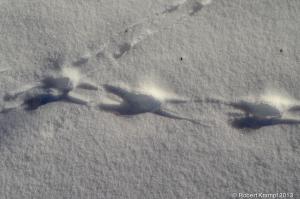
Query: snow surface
x=191, y=49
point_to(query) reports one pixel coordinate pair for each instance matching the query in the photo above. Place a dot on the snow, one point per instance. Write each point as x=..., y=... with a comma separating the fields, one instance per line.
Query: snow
x=187, y=49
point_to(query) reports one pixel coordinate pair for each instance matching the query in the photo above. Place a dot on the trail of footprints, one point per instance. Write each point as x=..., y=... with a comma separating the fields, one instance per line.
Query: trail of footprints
x=124, y=41
x=68, y=79
x=63, y=86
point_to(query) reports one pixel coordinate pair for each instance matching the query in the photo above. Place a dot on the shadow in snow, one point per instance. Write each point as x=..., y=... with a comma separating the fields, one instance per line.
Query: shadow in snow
x=256, y=123
x=35, y=101
x=295, y=108
x=40, y=100
x=256, y=114
x=196, y=8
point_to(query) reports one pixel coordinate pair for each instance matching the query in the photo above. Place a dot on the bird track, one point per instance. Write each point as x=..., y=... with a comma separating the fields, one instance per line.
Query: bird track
x=258, y=113
x=52, y=89
x=134, y=103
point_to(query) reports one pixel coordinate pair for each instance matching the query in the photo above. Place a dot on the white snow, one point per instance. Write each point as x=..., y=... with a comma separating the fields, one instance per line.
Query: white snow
x=188, y=49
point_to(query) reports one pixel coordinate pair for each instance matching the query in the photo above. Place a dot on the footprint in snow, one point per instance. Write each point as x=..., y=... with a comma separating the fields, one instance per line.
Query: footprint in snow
x=51, y=89
x=259, y=113
x=134, y=103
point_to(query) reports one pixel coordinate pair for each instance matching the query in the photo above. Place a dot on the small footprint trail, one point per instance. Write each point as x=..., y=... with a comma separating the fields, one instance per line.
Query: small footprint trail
x=139, y=31
x=258, y=114
x=124, y=41
x=61, y=88
x=134, y=103
x=50, y=89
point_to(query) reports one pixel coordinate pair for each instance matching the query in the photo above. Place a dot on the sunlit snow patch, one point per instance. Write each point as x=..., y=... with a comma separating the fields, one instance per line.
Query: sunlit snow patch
x=205, y=2
x=156, y=91
x=280, y=101
x=72, y=73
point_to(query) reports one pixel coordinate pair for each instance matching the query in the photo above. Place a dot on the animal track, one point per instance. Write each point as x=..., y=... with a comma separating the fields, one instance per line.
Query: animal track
x=37, y=97
x=137, y=103
x=123, y=41
x=259, y=113
x=51, y=89
x=61, y=88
